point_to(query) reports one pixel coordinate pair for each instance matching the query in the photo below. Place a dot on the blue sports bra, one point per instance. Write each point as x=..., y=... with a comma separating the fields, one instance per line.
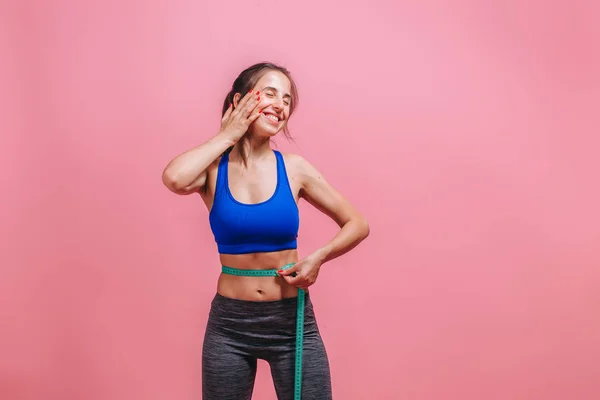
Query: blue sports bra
x=241, y=228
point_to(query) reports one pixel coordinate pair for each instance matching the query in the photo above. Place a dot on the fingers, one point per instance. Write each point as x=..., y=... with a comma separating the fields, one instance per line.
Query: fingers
x=255, y=114
x=245, y=113
x=294, y=280
x=292, y=277
x=299, y=282
x=256, y=111
x=289, y=271
x=247, y=105
x=227, y=113
x=244, y=99
x=243, y=102
x=290, y=274
x=251, y=106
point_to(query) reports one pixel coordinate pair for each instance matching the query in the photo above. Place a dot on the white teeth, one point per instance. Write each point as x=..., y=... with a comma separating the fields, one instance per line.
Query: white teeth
x=272, y=117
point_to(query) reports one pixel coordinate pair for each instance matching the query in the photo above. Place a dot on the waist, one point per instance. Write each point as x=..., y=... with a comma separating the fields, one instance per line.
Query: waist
x=263, y=260
x=254, y=276
x=254, y=272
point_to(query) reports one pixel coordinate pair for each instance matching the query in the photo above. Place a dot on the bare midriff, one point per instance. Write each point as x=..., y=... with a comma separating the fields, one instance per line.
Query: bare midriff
x=257, y=288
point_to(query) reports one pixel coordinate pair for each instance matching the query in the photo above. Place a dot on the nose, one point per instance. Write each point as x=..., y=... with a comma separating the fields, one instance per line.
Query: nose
x=278, y=104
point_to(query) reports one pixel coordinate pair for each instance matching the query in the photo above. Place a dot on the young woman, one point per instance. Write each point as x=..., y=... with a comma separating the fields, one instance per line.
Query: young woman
x=252, y=194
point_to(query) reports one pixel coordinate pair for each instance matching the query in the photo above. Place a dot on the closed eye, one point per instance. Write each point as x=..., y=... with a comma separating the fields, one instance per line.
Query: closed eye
x=286, y=100
x=271, y=91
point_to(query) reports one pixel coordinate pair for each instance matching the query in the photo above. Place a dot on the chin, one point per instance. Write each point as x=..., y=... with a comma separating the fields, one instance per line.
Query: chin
x=267, y=133
x=268, y=130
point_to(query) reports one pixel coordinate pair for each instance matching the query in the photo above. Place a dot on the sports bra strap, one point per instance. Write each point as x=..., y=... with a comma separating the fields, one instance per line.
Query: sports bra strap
x=222, y=177
x=282, y=178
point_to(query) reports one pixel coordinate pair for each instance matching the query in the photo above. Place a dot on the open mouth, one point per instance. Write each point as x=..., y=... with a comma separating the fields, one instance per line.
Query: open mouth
x=272, y=118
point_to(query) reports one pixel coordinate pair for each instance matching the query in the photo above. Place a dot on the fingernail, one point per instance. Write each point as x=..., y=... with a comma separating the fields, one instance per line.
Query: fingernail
x=280, y=271
x=258, y=98
x=250, y=91
x=229, y=104
x=258, y=92
x=260, y=111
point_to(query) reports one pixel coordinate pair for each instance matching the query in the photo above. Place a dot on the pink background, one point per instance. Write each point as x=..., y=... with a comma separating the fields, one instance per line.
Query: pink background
x=465, y=133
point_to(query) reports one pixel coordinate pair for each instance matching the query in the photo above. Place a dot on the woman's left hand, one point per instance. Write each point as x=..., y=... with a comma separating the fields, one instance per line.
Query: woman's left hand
x=306, y=271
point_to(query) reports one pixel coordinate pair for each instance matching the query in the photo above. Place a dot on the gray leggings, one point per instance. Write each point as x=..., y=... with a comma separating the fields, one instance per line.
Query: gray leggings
x=239, y=332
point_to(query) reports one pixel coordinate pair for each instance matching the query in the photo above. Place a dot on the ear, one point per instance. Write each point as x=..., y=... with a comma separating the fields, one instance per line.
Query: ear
x=236, y=99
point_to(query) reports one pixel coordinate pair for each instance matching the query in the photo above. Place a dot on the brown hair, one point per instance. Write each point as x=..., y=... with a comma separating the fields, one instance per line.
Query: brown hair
x=248, y=78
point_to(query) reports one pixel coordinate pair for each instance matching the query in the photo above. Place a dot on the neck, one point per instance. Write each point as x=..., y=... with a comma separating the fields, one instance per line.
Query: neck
x=250, y=148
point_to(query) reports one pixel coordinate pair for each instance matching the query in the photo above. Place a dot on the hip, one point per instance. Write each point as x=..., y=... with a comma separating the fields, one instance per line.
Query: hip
x=270, y=320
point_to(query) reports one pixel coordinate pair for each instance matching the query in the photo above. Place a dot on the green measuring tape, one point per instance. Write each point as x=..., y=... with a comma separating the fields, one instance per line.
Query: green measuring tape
x=299, y=318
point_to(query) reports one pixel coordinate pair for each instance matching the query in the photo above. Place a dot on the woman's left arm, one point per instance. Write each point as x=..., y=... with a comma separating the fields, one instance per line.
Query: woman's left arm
x=354, y=227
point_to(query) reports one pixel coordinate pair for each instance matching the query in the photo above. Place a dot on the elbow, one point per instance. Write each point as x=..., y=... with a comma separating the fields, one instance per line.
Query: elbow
x=170, y=181
x=361, y=227
x=174, y=183
x=365, y=228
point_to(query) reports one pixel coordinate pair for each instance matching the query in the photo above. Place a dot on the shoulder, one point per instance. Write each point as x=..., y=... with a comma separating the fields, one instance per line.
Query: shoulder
x=300, y=168
x=297, y=163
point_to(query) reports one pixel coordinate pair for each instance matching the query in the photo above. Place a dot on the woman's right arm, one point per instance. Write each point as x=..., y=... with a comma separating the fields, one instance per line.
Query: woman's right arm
x=186, y=173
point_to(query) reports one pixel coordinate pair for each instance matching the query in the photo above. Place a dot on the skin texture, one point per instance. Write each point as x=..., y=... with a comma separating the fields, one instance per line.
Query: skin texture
x=254, y=181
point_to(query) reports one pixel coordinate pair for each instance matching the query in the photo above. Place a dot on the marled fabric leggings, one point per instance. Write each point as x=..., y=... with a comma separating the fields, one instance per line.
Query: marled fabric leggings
x=239, y=332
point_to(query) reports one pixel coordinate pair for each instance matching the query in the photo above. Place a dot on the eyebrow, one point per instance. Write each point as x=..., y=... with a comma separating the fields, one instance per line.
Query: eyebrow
x=275, y=90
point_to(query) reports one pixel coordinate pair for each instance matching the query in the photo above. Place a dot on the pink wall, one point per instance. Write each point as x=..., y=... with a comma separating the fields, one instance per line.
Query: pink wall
x=465, y=133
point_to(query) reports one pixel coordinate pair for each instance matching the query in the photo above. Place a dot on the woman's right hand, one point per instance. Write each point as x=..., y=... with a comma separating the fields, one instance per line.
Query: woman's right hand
x=235, y=122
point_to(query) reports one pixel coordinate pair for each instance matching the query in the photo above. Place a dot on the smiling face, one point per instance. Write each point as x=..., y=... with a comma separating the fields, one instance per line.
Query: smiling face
x=275, y=101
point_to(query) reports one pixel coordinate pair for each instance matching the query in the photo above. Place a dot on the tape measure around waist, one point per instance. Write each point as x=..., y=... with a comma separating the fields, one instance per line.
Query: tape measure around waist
x=299, y=319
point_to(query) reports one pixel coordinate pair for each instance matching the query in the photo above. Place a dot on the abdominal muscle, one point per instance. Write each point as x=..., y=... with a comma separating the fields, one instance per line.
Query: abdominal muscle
x=257, y=288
